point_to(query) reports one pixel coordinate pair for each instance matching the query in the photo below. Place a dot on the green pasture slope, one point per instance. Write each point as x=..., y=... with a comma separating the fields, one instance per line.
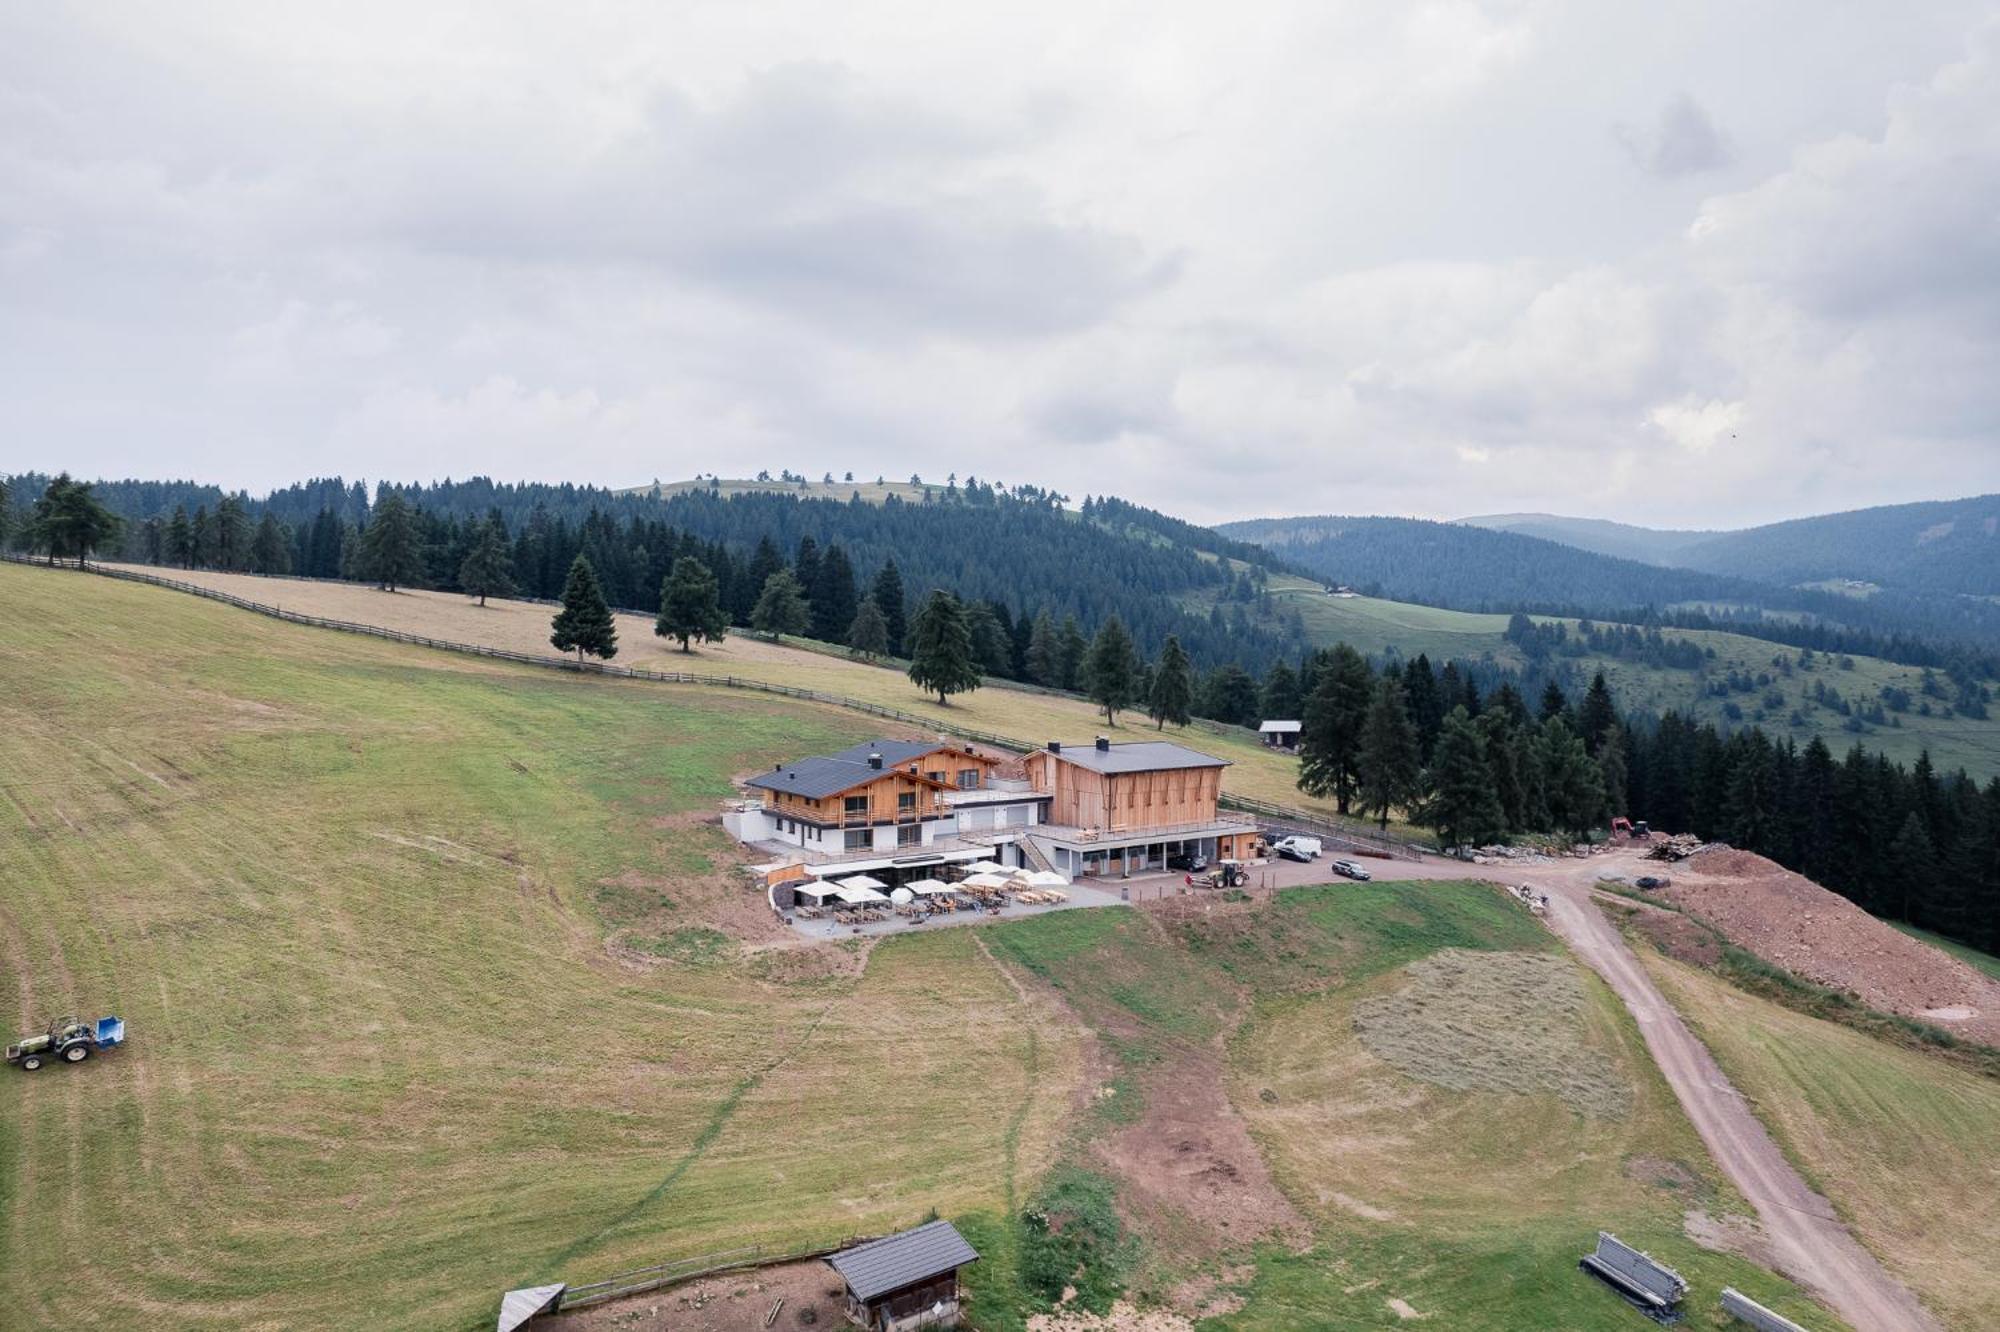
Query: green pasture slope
x=1376, y=626
x=353, y=900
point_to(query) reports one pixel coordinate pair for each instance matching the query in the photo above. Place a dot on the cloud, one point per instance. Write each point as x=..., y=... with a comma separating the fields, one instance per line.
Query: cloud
x=1682, y=141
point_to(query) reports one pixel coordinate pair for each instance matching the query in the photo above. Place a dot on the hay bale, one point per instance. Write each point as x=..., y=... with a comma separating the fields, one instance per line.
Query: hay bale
x=1500, y=1022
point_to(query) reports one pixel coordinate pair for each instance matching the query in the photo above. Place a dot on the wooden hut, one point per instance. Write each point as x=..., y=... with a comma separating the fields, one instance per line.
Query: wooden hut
x=905, y=1281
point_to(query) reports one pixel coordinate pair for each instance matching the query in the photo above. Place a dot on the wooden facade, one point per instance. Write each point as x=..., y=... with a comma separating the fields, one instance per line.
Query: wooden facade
x=1127, y=801
x=932, y=1302
x=891, y=796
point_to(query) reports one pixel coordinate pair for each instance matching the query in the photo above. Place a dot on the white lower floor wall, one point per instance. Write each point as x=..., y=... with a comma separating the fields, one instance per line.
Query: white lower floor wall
x=1113, y=859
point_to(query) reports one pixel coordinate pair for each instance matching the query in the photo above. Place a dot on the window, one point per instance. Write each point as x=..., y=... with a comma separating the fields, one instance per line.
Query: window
x=906, y=802
x=968, y=779
x=937, y=777
x=909, y=834
x=859, y=839
x=855, y=806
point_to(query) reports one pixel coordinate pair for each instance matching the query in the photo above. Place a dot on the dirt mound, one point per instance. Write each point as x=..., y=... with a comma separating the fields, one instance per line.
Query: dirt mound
x=1791, y=921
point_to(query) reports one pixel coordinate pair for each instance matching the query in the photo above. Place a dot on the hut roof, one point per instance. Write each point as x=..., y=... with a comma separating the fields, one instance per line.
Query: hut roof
x=900, y=1260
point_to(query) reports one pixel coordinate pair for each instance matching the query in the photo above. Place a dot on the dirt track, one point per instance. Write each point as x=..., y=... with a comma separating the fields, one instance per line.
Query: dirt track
x=1808, y=1242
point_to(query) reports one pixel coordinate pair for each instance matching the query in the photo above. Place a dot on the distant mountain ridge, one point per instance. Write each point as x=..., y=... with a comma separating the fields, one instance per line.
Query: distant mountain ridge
x=1934, y=546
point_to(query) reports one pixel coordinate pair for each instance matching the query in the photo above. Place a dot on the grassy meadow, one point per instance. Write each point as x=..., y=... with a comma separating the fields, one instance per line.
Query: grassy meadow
x=353, y=901
x=1374, y=626
x=1905, y=1146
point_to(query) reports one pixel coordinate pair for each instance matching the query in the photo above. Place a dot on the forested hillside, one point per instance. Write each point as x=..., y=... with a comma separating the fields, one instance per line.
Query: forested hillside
x=1020, y=553
x=1650, y=545
x=1472, y=568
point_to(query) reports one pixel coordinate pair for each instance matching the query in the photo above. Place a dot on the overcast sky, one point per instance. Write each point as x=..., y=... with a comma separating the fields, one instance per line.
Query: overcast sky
x=1692, y=264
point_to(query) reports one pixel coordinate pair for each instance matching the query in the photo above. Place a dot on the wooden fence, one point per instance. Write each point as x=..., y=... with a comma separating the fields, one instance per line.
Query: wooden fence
x=1319, y=824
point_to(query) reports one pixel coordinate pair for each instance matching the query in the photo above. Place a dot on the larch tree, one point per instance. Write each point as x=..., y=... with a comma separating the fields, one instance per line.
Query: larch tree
x=1172, y=696
x=488, y=568
x=584, y=624
x=691, y=605
x=1111, y=670
x=781, y=607
x=868, y=635
x=1389, y=768
x=941, y=655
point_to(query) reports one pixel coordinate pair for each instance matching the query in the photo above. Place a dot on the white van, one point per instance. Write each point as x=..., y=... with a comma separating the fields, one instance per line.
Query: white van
x=1297, y=848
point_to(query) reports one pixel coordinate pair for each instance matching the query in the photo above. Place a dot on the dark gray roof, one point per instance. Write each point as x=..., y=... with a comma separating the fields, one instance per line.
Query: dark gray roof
x=1139, y=756
x=896, y=1261
x=830, y=774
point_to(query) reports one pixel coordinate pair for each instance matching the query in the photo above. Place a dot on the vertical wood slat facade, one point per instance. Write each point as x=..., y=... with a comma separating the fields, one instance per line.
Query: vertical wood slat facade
x=1126, y=801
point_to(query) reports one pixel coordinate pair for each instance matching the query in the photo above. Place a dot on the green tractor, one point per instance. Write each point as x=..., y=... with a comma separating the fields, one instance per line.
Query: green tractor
x=67, y=1039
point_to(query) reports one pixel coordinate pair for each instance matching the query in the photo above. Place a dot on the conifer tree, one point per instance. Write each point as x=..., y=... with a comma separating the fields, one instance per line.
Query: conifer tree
x=990, y=648
x=69, y=522
x=232, y=533
x=781, y=607
x=1554, y=702
x=1913, y=862
x=805, y=565
x=941, y=657
x=892, y=602
x=389, y=546
x=1330, y=731
x=1389, y=768
x=488, y=568
x=269, y=551
x=179, y=542
x=1280, y=699
x=833, y=595
x=1111, y=670
x=584, y=624
x=1171, y=698
x=1044, y=657
x=1462, y=805
x=868, y=635
x=691, y=605
x=1427, y=704
x=764, y=562
x=1597, y=715
x=1613, y=767
x=1070, y=648
x=1572, y=786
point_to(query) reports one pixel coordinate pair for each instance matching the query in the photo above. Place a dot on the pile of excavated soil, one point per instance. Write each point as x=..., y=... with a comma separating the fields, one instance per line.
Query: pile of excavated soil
x=1789, y=920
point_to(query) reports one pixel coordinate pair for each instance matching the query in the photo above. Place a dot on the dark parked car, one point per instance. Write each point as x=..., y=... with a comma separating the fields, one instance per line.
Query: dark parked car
x=1347, y=869
x=1651, y=881
x=1184, y=860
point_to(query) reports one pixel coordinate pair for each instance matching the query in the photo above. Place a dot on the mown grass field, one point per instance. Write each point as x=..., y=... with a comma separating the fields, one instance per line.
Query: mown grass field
x=1031, y=717
x=1374, y=626
x=1907, y=1147
x=352, y=900
x=1469, y=1206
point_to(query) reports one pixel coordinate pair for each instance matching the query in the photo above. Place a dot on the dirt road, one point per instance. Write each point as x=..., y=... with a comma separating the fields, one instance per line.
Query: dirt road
x=1808, y=1242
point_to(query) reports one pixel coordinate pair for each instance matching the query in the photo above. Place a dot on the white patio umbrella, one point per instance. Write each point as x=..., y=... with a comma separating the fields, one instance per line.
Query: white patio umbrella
x=862, y=881
x=902, y=896
x=929, y=888
x=985, y=867
x=1048, y=879
x=849, y=893
x=985, y=881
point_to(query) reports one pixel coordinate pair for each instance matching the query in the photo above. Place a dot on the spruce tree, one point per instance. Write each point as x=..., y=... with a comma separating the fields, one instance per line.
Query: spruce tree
x=488, y=569
x=764, y=562
x=1171, y=698
x=389, y=547
x=1280, y=700
x=805, y=565
x=781, y=607
x=1912, y=866
x=1228, y=694
x=833, y=596
x=868, y=635
x=1111, y=670
x=584, y=624
x=1614, y=768
x=1330, y=731
x=1389, y=768
x=1554, y=702
x=269, y=551
x=1572, y=786
x=1070, y=648
x=232, y=533
x=892, y=602
x=1462, y=805
x=691, y=605
x=1427, y=704
x=180, y=539
x=1044, y=652
x=1597, y=715
x=941, y=657
x=990, y=646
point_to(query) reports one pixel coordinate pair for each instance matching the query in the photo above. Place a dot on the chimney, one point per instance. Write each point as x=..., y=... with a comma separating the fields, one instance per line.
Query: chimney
x=1055, y=746
x=1104, y=742
x=874, y=760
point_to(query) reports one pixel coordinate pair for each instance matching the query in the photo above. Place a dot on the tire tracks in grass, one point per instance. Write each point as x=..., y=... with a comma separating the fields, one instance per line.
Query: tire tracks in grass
x=1010, y=1141
x=710, y=1131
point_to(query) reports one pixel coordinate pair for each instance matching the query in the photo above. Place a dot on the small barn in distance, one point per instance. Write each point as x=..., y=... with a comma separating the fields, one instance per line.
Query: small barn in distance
x=905, y=1281
x=1281, y=734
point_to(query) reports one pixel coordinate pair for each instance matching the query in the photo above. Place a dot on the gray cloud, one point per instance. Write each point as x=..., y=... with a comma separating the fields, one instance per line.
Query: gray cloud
x=1683, y=141
x=1357, y=259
